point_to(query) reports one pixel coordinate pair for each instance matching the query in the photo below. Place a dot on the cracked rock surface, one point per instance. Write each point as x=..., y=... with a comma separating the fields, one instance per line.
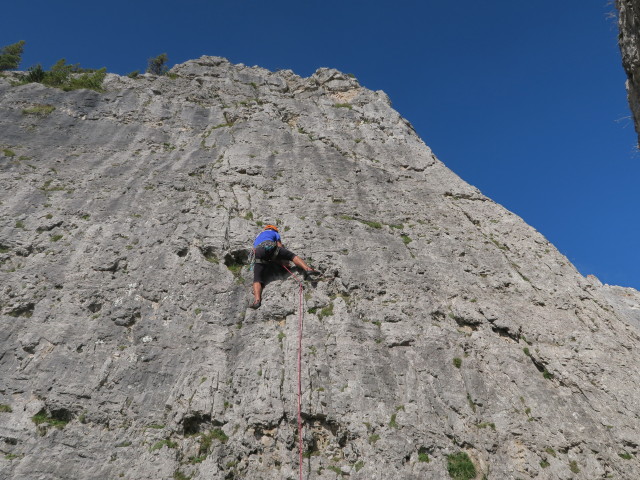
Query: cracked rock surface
x=442, y=323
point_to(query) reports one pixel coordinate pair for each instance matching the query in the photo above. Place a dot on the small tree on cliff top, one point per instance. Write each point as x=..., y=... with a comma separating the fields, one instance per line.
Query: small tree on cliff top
x=158, y=65
x=11, y=55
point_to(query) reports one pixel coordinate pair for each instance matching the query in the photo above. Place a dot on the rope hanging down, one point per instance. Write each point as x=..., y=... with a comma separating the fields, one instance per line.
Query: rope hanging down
x=300, y=290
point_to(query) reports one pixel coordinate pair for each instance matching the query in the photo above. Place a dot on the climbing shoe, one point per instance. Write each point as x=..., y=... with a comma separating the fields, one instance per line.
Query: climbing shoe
x=255, y=304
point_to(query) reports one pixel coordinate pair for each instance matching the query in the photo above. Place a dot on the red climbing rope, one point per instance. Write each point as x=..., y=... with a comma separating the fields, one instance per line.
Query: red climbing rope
x=300, y=290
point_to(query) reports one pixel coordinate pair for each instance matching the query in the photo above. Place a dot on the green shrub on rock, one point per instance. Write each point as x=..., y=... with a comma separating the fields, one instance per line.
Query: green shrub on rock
x=90, y=81
x=66, y=76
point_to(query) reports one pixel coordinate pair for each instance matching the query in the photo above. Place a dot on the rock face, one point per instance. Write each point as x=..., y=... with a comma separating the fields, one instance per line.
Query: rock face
x=443, y=323
x=629, y=41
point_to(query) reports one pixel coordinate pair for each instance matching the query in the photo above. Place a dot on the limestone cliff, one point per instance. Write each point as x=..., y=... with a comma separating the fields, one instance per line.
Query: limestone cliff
x=629, y=41
x=443, y=323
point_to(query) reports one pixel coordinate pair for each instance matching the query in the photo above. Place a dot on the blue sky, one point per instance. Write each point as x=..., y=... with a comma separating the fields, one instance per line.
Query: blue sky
x=524, y=100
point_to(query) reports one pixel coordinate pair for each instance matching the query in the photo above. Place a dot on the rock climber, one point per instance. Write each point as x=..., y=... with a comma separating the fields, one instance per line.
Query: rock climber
x=268, y=248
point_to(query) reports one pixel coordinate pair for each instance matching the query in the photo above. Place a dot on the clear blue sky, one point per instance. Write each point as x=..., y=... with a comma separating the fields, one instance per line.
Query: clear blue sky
x=524, y=100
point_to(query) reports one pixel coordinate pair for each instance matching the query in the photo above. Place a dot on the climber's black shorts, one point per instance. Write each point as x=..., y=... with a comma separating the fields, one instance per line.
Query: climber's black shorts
x=259, y=269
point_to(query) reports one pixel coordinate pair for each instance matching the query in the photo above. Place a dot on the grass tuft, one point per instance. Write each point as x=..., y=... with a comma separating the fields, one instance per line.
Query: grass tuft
x=423, y=456
x=573, y=466
x=392, y=422
x=368, y=223
x=326, y=311
x=460, y=467
x=491, y=425
x=178, y=475
x=167, y=442
x=41, y=417
x=206, y=439
x=39, y=110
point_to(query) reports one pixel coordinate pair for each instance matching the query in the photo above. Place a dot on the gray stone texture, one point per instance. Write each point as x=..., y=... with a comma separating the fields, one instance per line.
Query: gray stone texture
x=443, y=323
x=629, y=41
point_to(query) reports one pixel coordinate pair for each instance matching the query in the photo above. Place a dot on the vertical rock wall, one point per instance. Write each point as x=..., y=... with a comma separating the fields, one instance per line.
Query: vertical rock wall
x=443, y=325
x=629, y=40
